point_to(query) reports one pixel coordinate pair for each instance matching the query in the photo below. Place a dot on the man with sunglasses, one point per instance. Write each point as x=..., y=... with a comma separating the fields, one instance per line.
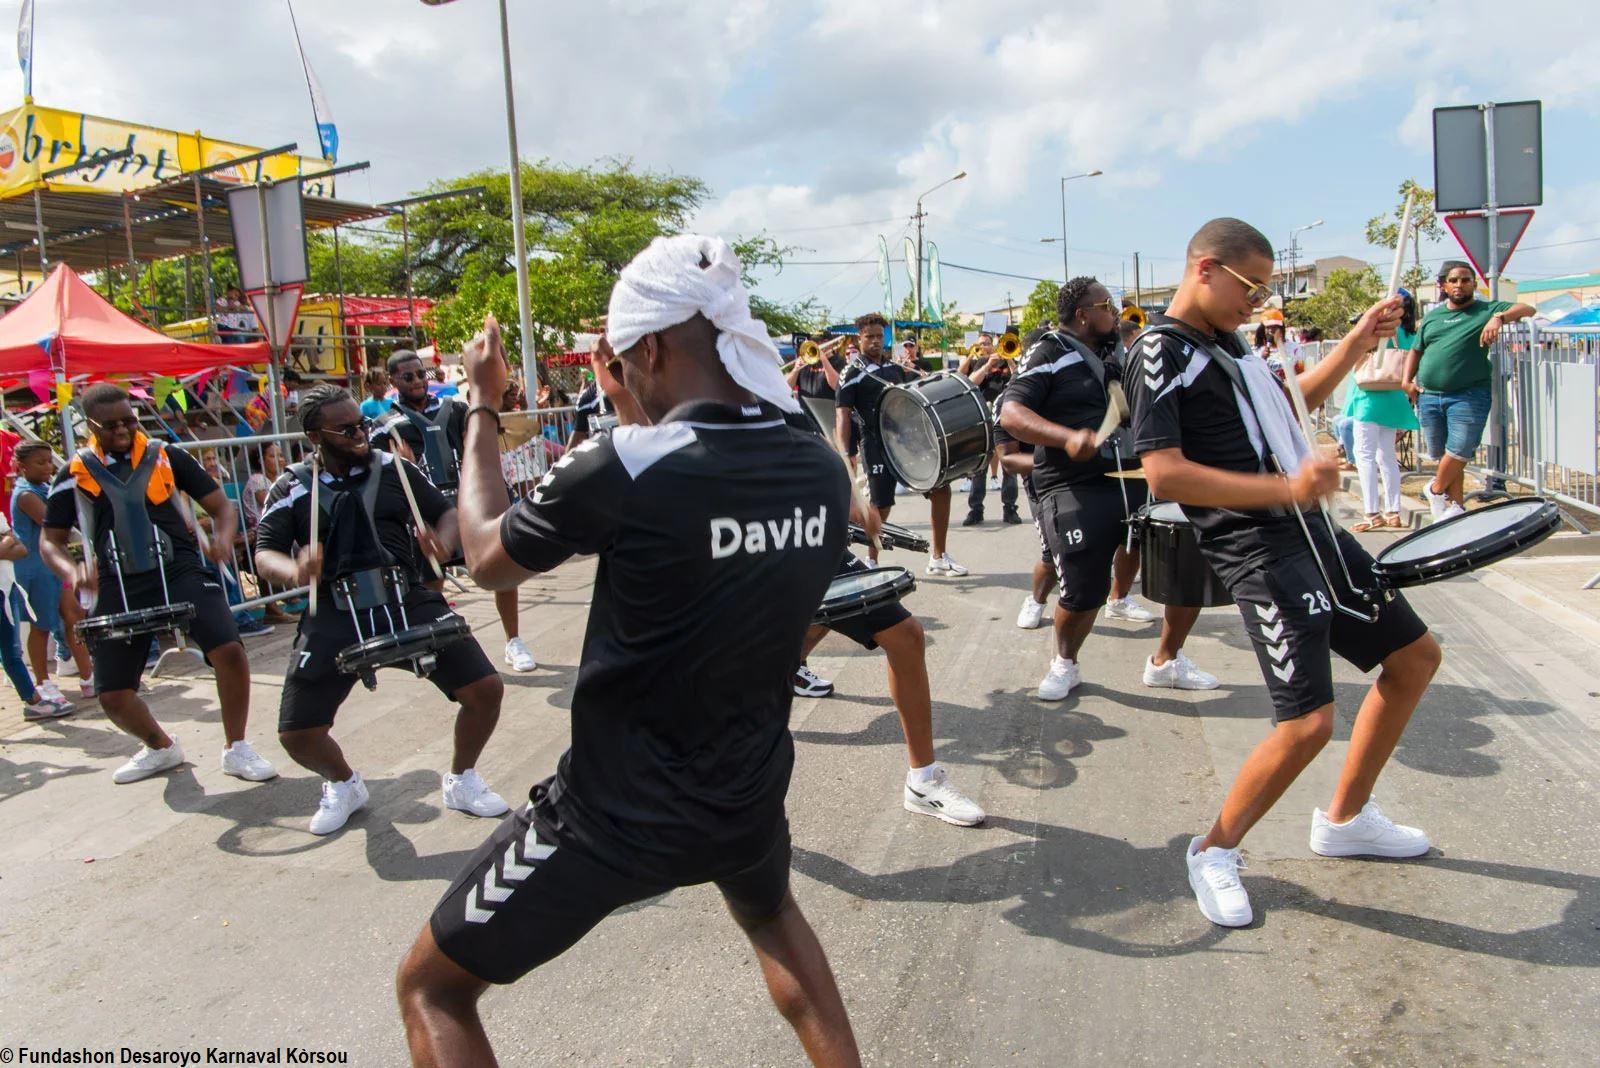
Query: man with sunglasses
x=1216, y=433
x=1057, y=403
x=129, y=482
x=314, y=687
x=1448, y=377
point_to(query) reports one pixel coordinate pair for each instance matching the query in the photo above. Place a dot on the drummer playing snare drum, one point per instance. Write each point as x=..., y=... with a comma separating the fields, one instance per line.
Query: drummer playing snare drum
x=119, y=664
x=1214, y=429
x=314, y=687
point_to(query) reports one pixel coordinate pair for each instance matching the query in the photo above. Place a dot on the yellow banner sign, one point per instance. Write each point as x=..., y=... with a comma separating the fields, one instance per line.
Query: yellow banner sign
x=35, y=140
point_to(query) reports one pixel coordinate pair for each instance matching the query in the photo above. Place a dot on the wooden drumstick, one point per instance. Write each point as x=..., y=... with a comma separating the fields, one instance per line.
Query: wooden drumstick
x=1297, y=397
x=1399, y=260
x=1116, y=412
x=416, y=513
x=316, y=512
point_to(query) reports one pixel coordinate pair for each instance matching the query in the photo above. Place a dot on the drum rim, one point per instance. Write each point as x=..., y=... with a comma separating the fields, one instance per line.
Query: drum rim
x=911, y=388
x=1448, y=563
x=905, y=583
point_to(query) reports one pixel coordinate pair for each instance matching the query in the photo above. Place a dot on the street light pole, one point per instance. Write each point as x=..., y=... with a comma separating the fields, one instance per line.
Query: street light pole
x=1294, y=259
x=917, y=310
x=1066, y=271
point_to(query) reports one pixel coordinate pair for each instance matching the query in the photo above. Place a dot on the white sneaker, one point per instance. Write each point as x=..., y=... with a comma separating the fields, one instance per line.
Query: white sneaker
x=52, y=693
x=66, y=667
x=994, y=483
x=45, y=709
x=468, y=793
x=1129, y=609
x=944, y=565
x=1369, y=834
x=808, y=683
x=518, y=658
x=1437, y=502
x=242, y=762
x=1061, y=680
x=1179, y=673
x=1453, y=510
x=1214, y=877
x=339, y=800
x=965, y=487
x=147, y=762
x=1031, y=615
x=937, y=798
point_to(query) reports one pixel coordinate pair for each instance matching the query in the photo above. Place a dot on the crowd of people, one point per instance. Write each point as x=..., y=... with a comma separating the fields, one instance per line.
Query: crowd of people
x=710, y=574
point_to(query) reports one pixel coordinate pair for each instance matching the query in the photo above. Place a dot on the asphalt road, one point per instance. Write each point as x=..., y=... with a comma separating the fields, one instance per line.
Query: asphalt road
x=192, y=911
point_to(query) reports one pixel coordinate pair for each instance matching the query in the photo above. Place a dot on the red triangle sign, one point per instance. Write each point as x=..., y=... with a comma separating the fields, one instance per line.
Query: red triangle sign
x=1471, y=230
x=277, y=312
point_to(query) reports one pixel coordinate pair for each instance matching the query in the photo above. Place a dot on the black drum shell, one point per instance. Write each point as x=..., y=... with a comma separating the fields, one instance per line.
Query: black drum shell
x=891, y=537
x=963, y=429
x=1513, y=539
x=1172, y=569
x=384, y=650
x=834, y=609
x=119, y=626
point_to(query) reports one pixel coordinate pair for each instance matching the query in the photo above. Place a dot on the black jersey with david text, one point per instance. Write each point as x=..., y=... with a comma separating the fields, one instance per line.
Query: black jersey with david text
x=718, y=530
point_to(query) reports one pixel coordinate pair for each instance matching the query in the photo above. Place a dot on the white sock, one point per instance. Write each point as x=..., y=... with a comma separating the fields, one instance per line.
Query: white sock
x=918, y=776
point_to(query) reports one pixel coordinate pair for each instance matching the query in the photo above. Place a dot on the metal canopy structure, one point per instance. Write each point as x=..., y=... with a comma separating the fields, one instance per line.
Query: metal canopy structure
x=90, y=231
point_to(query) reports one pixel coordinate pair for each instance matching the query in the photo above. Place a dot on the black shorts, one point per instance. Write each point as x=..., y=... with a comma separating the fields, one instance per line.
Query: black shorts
x=1295, y=628
x=853, y=446
x=530, y=892
x=861, y=629
x=314, y=687
x=119, y=664
x=881, y=479
x=1083, y=525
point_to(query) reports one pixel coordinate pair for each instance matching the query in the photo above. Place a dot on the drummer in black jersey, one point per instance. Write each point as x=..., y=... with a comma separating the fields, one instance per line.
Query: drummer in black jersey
x=1213, y=428
x=860, y=391
x=1058, y=402
x=351, y=540
x=710, y=570
x=119, y=460
x=991, y=373
x=1016, y=459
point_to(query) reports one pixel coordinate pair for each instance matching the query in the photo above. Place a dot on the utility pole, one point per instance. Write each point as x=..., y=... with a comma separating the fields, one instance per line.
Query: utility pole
x=1137, y=296
x=916, y=312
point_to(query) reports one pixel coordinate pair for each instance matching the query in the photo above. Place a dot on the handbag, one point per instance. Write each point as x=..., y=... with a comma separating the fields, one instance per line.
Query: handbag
x=1384, y=370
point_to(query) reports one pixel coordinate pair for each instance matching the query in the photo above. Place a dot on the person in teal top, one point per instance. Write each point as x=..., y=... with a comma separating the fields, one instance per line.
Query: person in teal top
x=1449, y=377
x=1377, y=418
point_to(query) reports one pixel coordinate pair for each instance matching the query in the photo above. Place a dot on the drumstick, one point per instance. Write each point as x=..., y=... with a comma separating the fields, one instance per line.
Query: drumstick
x=1399, y=258
x=1298, y=398
x=416, y=513
x=204, y=539
x=316, y=512
x=1116, y=412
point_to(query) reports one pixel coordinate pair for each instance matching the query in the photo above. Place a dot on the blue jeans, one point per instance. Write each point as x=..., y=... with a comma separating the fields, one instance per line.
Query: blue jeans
x=1344, y=428
x=11, y=658
x=1453, y=422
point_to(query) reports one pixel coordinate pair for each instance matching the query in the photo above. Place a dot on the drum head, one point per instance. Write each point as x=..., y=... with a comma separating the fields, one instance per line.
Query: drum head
x=910, y=438
x=1168, y=512
x=861, y=591
x=1468, y=541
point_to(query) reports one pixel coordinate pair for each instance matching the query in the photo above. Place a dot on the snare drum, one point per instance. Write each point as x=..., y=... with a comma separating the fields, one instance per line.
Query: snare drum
x=859, y=592
x=1466, y=542
x=891, y=537
x=120, y=626
x=935, y=430
x=1174, y=572
x=414, y=646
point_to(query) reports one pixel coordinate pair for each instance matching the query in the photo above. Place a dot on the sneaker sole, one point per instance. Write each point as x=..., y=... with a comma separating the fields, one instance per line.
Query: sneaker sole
x=251, y=778
x=477, y=815
x=1199, y=899
x=146, y=775
x=1180, y=686
x=1046, y=697
x=1363, y=850
x=342, y=824
x=940, y=814
x=814, y=693
x=521, y=670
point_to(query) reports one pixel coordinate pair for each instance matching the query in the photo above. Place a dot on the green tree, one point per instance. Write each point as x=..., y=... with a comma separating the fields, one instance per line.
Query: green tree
x=1040, y=306
x=1384, y=230
x=1345, y=293
x=801, y=317
x=947, y=337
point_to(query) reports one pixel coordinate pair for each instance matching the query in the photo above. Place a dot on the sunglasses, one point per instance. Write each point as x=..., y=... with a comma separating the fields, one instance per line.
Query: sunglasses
x=1254, y=292
x=350, y=431
x=409, y=376
x=132, y=423
x=1108, y=304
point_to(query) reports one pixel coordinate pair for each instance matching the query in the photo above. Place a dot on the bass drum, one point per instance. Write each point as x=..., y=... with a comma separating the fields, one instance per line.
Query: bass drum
x=1173, y=570
x=935, y=430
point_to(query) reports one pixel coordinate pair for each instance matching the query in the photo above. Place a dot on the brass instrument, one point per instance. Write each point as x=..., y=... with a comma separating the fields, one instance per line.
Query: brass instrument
x=810, y=353
x=1010, y=346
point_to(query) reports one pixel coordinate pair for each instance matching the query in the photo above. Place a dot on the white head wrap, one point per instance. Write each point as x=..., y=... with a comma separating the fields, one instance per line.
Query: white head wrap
x=665, y=285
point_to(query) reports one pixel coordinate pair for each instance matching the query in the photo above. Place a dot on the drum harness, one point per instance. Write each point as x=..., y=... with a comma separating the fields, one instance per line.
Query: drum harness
x=1112, y=447
x=1225, y=362
x=367, y=589
x=437, y=455
x=142, y=546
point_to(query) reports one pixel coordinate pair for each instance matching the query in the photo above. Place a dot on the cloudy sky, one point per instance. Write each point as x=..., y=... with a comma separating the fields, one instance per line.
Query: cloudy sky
x=822, y=121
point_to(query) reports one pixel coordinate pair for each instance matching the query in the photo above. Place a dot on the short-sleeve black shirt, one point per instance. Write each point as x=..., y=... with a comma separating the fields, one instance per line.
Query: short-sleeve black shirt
x=718, y=530
x=61, y=510
x=813, y=381
x=1056, y=384
x=1181, y=400
x=588, y=406
x=994, y=384
x=861, y=389
x=286, y=519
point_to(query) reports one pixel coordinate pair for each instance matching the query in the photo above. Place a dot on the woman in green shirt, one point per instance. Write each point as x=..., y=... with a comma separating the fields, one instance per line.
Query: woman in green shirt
x=1379, y=416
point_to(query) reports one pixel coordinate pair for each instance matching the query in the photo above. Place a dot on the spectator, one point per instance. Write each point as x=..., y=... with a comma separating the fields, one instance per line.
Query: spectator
x=1448, y=378
x=1376, y=419
x=259, y=484
x=38, y=594
x=376, y=383
x=1269, y=341
x=235, y=320
x=36, y=705
x=248, y=623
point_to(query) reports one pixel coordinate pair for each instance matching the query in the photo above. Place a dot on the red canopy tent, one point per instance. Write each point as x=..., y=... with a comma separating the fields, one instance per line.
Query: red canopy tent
x=64, y=325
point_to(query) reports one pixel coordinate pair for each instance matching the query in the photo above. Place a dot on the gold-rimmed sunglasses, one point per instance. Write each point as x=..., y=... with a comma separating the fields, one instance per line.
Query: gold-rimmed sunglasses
x=1256, y=293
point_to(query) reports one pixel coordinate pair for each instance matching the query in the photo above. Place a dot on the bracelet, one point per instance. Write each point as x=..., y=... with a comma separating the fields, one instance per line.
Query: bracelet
x=480, y=408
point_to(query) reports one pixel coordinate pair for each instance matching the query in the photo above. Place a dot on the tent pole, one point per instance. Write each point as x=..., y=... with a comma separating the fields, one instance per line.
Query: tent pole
x=205, y=255
x=38, y=226
x=405, y=246
x=133, y=264
x=344, y=345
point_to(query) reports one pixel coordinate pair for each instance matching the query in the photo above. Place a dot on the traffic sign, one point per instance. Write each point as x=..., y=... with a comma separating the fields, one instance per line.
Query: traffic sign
x=1471, y=229
x=276, y=311
x=1464, y=176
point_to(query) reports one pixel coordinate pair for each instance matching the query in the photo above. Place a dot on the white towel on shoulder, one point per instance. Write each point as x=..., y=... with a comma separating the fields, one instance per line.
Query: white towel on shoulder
x=1278, y=426
x=666, y=285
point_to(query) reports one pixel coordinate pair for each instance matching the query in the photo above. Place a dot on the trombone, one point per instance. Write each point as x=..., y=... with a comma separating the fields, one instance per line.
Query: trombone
x=1010, y=346
x=810, y=353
